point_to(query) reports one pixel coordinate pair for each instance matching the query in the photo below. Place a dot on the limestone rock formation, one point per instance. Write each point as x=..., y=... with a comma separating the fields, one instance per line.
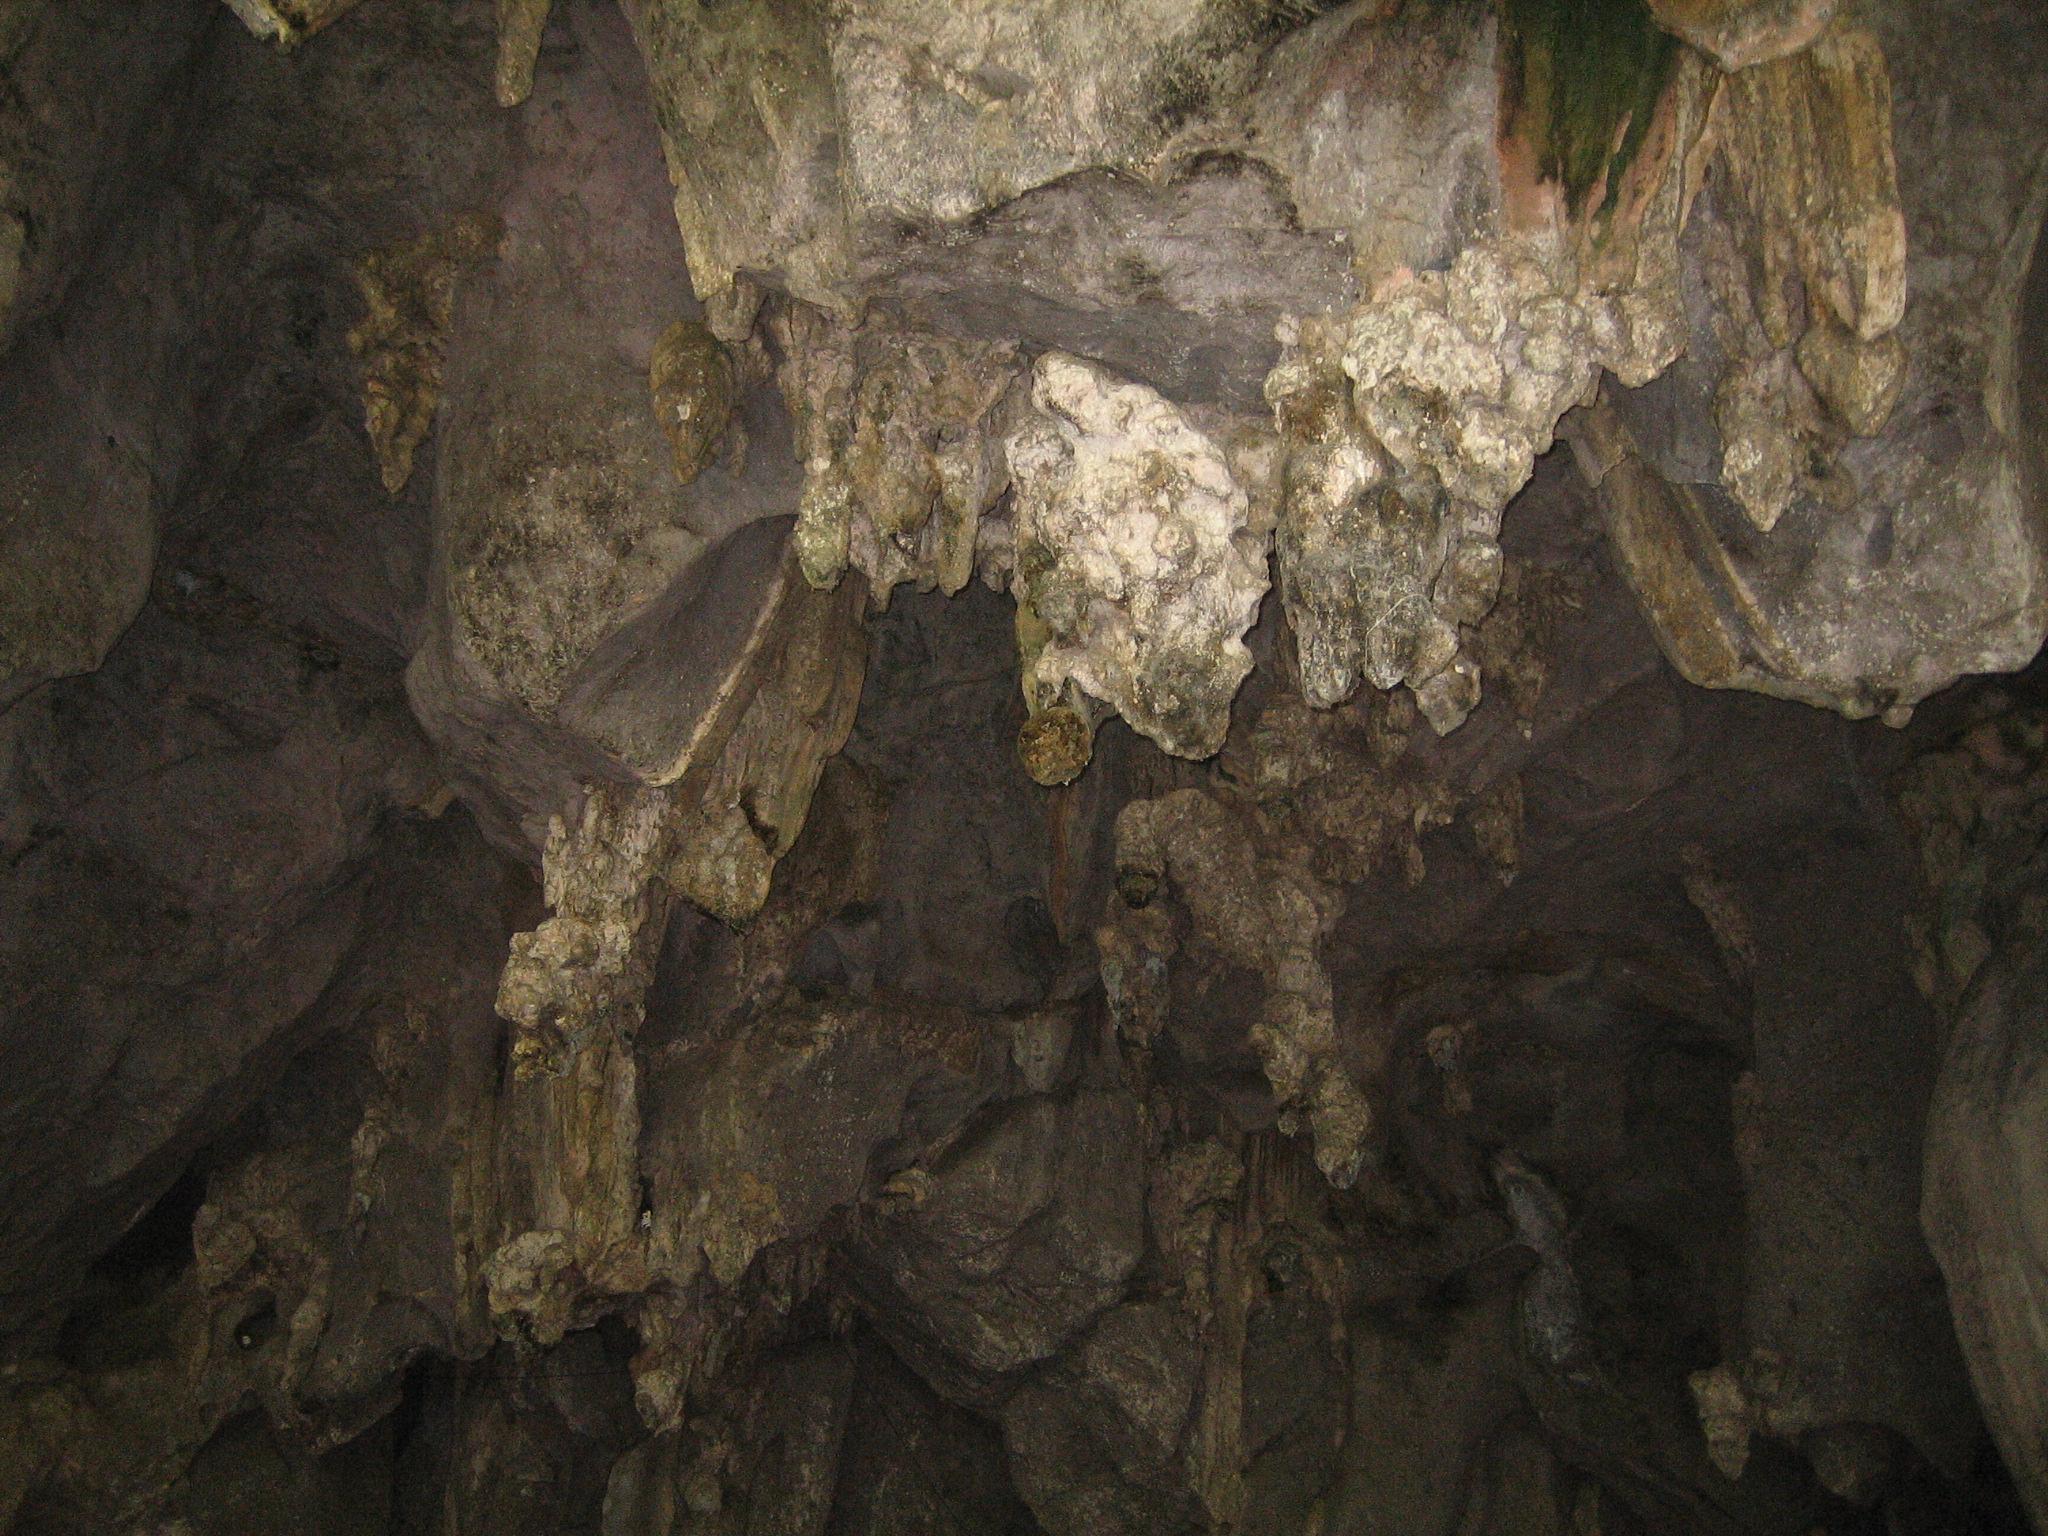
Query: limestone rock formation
x=67, y=155
x=1136, y=561
x=1411, y=424
x=859, y=767
x=691, y=381
x=1840, y=415
x=904, y=111
x=901, y=445
x=1262, y=918
x=522, y=24
x=83, y=506
x=409, y=300
x=79, y=509
x=1739, y=33
x=288, y=23
x=1977, y=809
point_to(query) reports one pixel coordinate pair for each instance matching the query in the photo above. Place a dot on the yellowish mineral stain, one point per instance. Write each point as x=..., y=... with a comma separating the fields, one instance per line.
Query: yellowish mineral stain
x=409, y=302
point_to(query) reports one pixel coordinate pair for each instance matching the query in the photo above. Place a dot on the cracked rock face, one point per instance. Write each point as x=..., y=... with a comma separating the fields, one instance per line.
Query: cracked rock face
x=903, y=767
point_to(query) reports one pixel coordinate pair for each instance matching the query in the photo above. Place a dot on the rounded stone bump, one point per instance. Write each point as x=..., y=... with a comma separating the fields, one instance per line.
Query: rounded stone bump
x=1055, y=745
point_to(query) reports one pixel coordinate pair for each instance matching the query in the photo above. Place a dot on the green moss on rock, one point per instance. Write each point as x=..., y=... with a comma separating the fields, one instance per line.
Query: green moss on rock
x=1585, y=76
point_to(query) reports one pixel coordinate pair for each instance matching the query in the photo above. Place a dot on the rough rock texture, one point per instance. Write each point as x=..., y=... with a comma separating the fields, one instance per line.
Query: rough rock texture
x=522, y=26
x=690, y=379
x=574, y=988
x=899, y=436
x=1136, y=562
x=564, y=513
x=288, y=23
x=566, y=970
x=1868, y=412
x=409, y=300
x=91, y=446
x=1984, y=1179
x=1410, y=425
x=1260, y=918
x=561, y=515
x=856, y=1231
x=1474, y=146
x=83, y=486
x=1739, y=33
x=67, y=156
x=247, y=749
x=910, y=112
x=1977, y=808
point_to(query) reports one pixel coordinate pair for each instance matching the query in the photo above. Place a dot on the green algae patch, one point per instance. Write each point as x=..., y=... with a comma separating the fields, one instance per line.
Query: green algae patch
x=1583, y=80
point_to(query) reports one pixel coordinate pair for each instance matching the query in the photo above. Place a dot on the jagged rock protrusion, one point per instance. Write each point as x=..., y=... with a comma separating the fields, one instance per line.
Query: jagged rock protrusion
x=521, y=25
x=289, y=22
x=587, y=967
x=1137, y=565
x=409, y=299
x=692, y=383
x=899, y=433
x=1261, y=911
x=575, y=988
x=1738, y=33
x=1864, y=389
x=1414, y=419
x=589, y=611
x=1136, y=556
x=803, y=138
x=711, y=833
x=1410, y=425
x=1806, y=142
x=1804, y=148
